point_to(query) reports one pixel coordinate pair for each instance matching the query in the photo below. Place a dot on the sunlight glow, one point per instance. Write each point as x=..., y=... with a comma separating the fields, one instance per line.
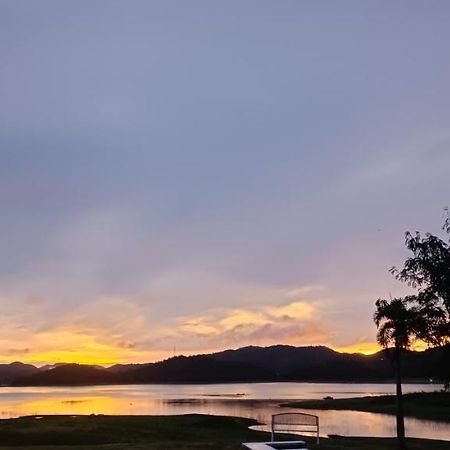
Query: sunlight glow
x=366, y=348
x=57, y=346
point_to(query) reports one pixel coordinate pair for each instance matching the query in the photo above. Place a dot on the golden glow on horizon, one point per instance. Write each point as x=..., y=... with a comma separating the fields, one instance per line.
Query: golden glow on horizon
x=419, y=346
x=369, y=348
x=88, y=343
x=298, y=323
x=366, y=348
x=100, y=354
x=82, y=348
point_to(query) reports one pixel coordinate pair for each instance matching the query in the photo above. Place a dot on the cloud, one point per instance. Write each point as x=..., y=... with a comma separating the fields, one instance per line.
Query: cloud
x=18, y=351
x=297, y=323
x=305, y=290
x=107, y=330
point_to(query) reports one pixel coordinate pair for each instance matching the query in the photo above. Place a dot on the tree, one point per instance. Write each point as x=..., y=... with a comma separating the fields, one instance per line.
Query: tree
x=428, y=270
x=397, y=324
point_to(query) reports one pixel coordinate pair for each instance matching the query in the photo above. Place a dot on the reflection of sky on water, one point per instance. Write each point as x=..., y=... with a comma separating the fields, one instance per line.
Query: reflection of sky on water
x=259, y=402
x=355, y=423
x=260, y=391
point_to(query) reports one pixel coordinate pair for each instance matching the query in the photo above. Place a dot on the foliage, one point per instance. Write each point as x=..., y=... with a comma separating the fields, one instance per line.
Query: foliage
x=428, y=270
x=398, y=324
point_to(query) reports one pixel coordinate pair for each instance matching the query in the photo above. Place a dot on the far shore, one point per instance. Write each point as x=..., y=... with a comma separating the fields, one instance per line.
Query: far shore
x=383, y=381
x=423, y=405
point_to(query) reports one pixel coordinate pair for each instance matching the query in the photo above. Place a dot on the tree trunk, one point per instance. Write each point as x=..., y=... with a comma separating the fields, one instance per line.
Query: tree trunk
x=447, y=368
x=399, y=399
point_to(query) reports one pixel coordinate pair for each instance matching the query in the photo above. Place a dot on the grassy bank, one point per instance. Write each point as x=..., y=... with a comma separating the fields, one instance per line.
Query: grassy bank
x=429, y=406
x=188, y=432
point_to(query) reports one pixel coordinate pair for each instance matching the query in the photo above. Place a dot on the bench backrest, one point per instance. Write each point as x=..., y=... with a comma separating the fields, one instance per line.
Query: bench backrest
x=295, y=422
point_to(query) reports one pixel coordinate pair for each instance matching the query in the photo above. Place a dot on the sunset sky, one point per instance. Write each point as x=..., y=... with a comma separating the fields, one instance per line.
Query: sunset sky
x=189, y=176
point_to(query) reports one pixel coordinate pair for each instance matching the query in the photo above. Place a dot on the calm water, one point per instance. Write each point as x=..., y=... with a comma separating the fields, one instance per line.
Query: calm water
x=256, y=401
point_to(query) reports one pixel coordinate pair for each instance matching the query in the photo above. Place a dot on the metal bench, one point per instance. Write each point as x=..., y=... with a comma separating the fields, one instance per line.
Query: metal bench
x=279, y=445
x=295, y=422
x=288, y=423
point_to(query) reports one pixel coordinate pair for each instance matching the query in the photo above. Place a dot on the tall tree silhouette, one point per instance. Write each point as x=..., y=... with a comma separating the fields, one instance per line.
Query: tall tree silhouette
x=397, y=324
x=428, y=270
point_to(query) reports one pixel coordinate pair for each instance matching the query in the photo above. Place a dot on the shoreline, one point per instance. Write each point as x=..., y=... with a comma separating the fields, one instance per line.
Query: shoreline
x=436, y=383
x=423, y=405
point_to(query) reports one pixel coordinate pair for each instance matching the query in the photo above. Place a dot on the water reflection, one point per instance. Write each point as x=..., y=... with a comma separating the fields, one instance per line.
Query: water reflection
x=256, y=401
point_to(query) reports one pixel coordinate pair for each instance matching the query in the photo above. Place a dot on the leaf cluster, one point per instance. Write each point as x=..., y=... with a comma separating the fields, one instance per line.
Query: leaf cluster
x=428, y=271
x=398, y=322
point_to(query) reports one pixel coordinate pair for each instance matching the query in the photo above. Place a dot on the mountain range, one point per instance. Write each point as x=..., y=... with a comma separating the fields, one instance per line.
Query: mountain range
x=258, y=364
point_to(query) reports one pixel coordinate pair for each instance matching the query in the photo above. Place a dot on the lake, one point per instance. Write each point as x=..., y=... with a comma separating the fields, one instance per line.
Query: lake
x=253, y=400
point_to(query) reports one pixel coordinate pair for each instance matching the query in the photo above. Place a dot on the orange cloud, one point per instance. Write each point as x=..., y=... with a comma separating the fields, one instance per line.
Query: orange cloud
x=295, y=323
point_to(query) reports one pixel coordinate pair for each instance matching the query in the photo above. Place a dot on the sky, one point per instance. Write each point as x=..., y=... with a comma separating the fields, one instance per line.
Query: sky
x=180, y=177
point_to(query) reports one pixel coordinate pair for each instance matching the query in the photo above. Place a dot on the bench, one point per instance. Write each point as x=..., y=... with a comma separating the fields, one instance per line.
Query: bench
x=295, y=422
x=279, y=445
x=288, y=423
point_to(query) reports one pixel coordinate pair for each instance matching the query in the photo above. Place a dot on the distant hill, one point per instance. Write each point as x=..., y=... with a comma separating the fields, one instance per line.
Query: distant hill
x=196, y=369
x=282, y=360
x=67, y=375
x=275, y=363
x=10, y=372
x=321, y=363
x=52, y=366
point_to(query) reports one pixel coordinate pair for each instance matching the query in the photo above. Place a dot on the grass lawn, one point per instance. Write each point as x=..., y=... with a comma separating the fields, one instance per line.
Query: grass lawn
x=430, y=405
x=127, y=432
x=187, y=432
